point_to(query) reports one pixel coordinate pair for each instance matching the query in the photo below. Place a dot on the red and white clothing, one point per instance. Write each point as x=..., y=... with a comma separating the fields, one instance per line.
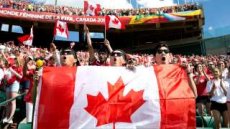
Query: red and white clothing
x=12, y=76
x=201, y=85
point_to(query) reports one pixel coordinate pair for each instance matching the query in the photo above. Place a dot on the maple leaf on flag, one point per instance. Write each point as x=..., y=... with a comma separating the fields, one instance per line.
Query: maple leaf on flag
x=91, y=9
x=112, y=21
x=60, y=28
x=117, y=108
x=115, y=21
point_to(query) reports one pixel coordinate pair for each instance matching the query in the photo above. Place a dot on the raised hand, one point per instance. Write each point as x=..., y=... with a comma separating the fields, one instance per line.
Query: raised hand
x=86, y=29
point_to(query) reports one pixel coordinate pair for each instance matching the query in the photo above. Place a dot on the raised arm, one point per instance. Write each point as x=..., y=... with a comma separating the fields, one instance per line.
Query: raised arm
x=107, y=44
x=222, y=85
x=92, y=57
x=205, y=74
x=213, y=88
x=56, y=54
x=191, y=80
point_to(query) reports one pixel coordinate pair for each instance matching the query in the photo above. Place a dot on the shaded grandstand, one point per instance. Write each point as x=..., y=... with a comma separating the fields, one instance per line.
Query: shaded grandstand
x=183, y=30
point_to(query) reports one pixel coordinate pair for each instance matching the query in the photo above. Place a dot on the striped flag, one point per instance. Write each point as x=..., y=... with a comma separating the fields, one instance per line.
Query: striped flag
x=27, y=39
x=157, y=97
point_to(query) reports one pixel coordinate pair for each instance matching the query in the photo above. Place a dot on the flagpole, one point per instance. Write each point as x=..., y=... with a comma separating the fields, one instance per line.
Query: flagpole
x=84, y=23
x=105, y=28
x=53, y=39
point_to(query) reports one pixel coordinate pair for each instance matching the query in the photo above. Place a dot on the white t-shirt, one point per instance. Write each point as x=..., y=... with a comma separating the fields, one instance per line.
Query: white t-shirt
x=1, y=74
x=225, y=73
x=218, y=92
x=228, y=90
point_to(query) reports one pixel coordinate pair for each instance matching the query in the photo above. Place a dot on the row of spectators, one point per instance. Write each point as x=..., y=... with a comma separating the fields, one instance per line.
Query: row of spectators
x=28, y=6
x=20, y=66
x=21, y=58
x=83, y=56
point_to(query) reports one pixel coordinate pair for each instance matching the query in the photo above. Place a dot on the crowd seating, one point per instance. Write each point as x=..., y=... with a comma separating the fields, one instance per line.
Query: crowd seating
x=66, y=10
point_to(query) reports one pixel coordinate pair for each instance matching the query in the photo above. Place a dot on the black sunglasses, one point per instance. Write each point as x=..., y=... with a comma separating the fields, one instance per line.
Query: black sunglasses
x=66, y=53
x=166, y=51
x=116, y=54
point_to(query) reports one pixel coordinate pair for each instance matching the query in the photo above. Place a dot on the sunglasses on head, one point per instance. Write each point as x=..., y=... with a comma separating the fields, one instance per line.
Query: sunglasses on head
x=159, y=51
x=116, y=54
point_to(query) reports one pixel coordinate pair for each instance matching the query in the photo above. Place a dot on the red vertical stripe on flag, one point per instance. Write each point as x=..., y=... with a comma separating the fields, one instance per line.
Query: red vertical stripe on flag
x=55, y=103
x=86, y=6
x=176, y=98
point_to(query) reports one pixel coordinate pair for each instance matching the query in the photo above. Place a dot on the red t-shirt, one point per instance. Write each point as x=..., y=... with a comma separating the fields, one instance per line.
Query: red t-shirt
x=29, y=76
x=11, y=77
x=201, y=85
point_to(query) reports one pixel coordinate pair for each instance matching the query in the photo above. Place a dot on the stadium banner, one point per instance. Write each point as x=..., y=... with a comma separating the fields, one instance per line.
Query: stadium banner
x=156, y=97
x=97, y=20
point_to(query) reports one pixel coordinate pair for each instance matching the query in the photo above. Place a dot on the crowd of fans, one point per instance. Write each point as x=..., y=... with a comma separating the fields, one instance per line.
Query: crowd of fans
x=20, y=65
x=65, y=10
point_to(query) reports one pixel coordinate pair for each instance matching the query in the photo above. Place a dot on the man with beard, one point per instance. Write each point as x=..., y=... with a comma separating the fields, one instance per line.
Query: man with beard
x=103, y=53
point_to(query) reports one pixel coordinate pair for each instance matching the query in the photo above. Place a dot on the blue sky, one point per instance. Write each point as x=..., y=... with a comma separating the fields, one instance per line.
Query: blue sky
x=217, y=21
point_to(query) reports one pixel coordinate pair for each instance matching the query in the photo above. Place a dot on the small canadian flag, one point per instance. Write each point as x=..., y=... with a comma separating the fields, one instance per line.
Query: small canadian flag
x=61, y=29
x=27, y=39
x=91, y=9
x=113, y=22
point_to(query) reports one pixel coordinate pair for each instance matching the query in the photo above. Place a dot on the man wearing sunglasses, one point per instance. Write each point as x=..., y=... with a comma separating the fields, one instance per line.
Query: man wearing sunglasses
x=66, y=57
x=163, y=56
x=118, y=58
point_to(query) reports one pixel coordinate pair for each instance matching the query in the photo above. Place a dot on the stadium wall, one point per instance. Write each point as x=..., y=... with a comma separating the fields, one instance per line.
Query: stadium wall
x=219, y=45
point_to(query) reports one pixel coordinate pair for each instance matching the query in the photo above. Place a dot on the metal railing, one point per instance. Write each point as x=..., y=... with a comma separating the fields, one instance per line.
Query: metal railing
x=12, y=99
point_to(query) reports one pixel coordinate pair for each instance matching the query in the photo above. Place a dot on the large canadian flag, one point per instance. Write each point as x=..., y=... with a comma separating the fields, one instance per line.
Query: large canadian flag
x=91, y=9
x=27, y=39
x=112, y=21
x=61, y=29
x=156, y=97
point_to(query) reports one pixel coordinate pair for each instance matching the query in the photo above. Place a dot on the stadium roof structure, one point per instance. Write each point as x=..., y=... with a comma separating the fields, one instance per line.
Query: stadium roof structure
x=142, y=31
